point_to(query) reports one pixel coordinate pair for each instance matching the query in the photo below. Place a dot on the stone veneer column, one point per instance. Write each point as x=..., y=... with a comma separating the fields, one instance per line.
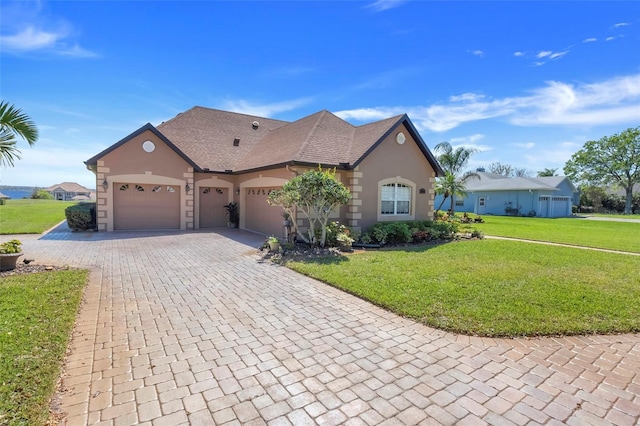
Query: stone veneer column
x=102, y=196
x=189, y=198
x=432, y=196
x=353, y=206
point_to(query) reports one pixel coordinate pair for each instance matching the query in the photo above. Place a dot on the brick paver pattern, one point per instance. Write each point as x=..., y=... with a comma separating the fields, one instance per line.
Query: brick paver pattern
x=190, y=328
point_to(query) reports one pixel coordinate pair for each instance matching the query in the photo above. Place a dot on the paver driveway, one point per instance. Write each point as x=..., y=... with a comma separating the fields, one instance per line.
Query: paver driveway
x=188, y=328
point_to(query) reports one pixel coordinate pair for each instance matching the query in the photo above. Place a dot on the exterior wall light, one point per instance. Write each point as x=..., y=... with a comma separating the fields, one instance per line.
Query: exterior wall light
x=187, y=187
x=105, y=184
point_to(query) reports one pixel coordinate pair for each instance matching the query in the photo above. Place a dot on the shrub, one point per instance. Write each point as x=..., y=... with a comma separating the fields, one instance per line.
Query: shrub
x=420, y=236
x=444, y=230
x=389, y=233
x=11, y=247
x=81, y=217
x=41, y=194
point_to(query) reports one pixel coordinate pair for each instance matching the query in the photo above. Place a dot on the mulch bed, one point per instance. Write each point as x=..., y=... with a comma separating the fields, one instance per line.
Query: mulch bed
x=22, y=268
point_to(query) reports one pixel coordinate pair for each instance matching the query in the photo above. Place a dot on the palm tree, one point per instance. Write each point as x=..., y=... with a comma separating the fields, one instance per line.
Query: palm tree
x=452, y=162
x=451, y=186
x=13, y=123
x=547, y=172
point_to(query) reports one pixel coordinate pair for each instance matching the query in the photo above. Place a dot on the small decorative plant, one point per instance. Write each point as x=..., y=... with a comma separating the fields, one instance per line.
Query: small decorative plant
x=234, y=214
x=11, y=247
x=273, y=243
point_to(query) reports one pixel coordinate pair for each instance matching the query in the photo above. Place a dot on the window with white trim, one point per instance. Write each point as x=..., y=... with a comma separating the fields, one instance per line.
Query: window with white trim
x=395, y=199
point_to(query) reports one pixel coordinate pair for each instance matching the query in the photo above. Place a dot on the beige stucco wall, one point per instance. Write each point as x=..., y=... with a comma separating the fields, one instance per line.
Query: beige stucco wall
x=267, y=178
x=390, y=161
x=130, y=163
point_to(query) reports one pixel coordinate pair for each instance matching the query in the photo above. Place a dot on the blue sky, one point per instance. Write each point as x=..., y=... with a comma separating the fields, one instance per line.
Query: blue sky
x=526, y=83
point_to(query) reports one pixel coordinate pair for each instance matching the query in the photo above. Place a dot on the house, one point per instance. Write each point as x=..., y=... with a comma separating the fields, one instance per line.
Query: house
x=500, y=195
x=181, y=174
x=69, y=191
x=3, y=196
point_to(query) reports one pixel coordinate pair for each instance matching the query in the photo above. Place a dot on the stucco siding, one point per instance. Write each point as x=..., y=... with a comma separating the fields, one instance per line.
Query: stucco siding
x=391, y=160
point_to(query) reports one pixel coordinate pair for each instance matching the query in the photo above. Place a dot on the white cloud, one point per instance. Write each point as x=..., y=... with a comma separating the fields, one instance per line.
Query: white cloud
x=370, y=114
x=613, y=101
x=610, y=38
x=479, y=53
x=589, y=40
x=470, y=142
x=465, y=97
x=27, y=29
x=77, y=52
x=558, y=54
x=31, y=39
x=548, y=55
x=380, y=5
x=265, y=110
x=518, y=54
x=525, y=145
x=43, y=166
x=621, y=24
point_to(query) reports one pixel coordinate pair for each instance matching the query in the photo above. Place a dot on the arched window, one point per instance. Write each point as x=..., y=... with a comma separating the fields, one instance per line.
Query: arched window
x=396, y=198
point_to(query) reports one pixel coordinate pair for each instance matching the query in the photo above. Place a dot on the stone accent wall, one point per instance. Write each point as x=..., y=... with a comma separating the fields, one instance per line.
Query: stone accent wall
x=101, y=197
x=189, y=197
x=354, y=204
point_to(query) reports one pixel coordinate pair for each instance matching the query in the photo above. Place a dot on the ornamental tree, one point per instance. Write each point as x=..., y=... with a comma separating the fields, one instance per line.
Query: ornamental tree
x=612, y=160
x=316, y=193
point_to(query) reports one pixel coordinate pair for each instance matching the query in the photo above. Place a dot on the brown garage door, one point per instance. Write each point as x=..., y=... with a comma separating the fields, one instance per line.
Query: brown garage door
x=143, y=206
x=259, y=215
x=212, y=211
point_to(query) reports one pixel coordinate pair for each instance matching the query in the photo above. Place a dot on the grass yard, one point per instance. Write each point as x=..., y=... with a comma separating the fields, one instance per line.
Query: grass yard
x=622, y=236
x=31, y=216
x=494, y=287
x=37, y=312
x=615, y=216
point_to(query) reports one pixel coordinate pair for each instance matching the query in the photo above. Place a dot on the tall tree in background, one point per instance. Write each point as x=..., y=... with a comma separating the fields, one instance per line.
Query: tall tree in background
x=612, y=160
x=547, y=172
x=14, y=123
x=508, y=170
x=453, y=161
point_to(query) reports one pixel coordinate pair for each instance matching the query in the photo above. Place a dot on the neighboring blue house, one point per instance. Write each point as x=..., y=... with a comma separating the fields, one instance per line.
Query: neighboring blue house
x=499, y=195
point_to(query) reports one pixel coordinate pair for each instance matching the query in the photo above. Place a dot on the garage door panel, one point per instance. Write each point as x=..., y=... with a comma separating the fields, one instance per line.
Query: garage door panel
x=211, y=210
x=259, y=215
x=144, y=206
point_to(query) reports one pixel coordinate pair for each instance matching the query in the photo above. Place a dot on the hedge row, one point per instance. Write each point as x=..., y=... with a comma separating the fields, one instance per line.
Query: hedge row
x=417, y=231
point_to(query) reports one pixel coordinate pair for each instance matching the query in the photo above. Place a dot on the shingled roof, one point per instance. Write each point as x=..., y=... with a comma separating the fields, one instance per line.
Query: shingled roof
x=496, y=182
x=222, y=141
x=68, y=187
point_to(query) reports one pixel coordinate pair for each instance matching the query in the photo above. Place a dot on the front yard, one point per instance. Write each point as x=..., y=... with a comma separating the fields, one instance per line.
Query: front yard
x=37, y=312
x=503, y=288
x=31, y=216
x=611, y=235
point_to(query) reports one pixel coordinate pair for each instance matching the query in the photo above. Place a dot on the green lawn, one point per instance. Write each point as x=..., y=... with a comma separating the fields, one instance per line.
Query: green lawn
x=616, y=216
x=494, y=287
x=37, y=312
x=31, y=216
x=589, y=233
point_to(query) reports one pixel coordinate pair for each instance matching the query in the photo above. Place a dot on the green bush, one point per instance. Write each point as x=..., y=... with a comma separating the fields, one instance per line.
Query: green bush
x=81, y=217
x=416, y=231
x=41, y=194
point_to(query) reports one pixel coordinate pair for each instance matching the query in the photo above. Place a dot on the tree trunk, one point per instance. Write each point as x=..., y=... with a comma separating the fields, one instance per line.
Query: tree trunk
x=629, y=202
x=453, y=201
